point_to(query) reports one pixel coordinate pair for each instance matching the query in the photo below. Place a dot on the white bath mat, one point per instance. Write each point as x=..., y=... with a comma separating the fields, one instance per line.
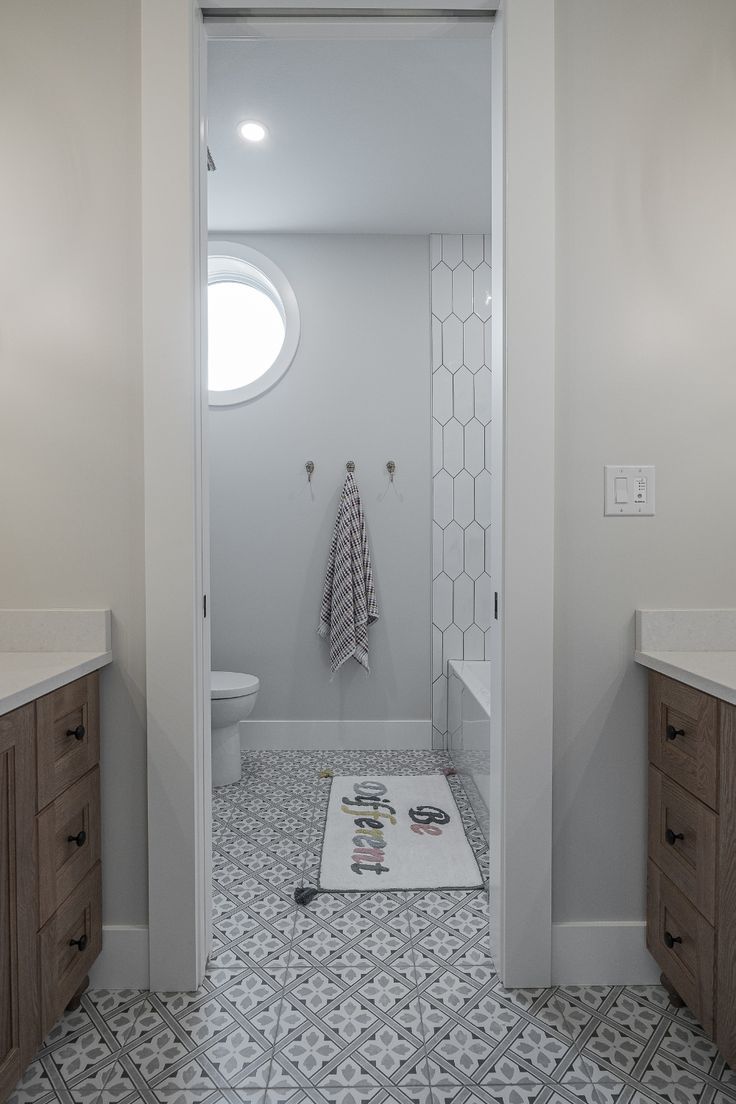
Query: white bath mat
x=395, y=832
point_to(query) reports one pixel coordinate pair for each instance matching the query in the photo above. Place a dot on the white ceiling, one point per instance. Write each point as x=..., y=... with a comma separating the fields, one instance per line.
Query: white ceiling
x=367, y=135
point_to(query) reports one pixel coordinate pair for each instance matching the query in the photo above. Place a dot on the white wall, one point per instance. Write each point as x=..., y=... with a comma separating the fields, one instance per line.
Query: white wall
x=70, y=380
x=359, y=388
x=646, y=352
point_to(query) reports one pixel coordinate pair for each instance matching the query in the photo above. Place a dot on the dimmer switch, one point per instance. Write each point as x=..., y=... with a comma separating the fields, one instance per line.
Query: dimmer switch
x=629, y=490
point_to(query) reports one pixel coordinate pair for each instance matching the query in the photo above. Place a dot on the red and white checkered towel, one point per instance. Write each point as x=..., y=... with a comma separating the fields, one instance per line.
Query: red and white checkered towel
x=349, y=600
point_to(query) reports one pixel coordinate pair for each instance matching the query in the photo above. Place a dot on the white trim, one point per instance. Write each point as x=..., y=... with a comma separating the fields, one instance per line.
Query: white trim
x=123, y=961
x=602, y=952
x=526, y=255
x=177, y=694
x=335, y=735
x=281, y=293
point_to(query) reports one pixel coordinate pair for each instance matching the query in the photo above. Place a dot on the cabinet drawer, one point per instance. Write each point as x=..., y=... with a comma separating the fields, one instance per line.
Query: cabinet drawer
x=682, y=841
x=67, y=736
x=682, y=942
x=683, y=740
x=68, y=842
x=69, y=943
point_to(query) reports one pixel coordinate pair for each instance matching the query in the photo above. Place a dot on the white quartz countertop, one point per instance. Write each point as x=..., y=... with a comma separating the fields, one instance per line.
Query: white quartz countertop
x=41, y=650
x=697, y=647
x=25, y=676
x=712, y=672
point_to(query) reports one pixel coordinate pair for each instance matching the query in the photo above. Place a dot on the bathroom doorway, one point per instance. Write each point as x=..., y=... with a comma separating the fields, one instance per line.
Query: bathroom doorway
x=159, y=750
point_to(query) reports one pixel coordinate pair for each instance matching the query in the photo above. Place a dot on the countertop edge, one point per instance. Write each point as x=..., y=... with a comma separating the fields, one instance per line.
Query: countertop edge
x=669, y=667
x=93, y=661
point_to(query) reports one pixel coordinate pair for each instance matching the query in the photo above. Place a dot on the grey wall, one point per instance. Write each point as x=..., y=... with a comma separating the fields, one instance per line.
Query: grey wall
x=359, y=388
x=645, y=374
x=71, y=495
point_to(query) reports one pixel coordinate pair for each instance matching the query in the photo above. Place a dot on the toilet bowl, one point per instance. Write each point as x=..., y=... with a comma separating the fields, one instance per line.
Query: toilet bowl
x=233, y=696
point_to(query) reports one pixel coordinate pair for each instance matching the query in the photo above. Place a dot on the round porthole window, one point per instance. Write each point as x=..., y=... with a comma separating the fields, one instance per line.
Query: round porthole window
x=252, y=323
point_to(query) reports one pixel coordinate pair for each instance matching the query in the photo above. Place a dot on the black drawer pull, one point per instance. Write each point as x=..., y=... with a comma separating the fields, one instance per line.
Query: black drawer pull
x=672, y=733
x=673, y=837
x=78, y=733
x=670, y=940
x=80, y=943
x=80, y=839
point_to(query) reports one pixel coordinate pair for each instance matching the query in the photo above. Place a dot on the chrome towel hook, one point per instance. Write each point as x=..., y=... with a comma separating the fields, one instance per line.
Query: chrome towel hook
x=391, y=469
x=310, y=470
x=350, y=466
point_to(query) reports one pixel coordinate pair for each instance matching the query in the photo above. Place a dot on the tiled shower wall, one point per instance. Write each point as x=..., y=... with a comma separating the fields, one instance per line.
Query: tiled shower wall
x=461, y=452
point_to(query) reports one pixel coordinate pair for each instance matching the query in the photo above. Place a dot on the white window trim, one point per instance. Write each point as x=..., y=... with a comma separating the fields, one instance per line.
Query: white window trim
x=225, y=261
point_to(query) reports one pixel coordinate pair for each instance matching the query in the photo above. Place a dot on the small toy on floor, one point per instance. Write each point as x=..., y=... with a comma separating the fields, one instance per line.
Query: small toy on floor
x=448, y=771
x=326, y=774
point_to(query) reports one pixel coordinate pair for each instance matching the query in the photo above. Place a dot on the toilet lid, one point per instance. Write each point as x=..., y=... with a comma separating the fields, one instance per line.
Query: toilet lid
x=232, y=684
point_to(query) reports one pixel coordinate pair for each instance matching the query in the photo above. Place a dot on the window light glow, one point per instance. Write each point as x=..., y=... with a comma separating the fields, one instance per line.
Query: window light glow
x=246, y=332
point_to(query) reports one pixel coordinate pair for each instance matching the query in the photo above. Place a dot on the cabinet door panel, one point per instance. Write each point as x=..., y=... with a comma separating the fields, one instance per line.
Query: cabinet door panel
x=19, y=1013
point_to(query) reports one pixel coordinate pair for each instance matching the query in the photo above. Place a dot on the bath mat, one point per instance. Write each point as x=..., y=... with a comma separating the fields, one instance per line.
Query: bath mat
x=395, y=832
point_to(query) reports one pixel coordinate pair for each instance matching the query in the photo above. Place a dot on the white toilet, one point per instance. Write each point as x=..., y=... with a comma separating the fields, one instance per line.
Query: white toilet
x=233, y=696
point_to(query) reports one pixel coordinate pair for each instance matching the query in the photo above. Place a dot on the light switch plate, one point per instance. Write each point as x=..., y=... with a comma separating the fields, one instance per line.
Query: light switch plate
x=629, y=490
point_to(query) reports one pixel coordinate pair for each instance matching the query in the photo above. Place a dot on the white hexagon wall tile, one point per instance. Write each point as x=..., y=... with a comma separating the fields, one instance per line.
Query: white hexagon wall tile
x=461, y=415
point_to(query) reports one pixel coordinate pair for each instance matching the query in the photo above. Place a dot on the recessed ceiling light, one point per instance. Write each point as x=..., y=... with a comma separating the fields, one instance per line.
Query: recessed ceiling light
x=252, y=131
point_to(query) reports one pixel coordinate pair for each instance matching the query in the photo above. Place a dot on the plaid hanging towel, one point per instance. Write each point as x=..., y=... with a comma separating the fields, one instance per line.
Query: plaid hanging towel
x=349, y=600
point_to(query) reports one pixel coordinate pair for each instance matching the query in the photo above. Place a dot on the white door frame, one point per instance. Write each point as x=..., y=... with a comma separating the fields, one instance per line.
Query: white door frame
x=175, y=408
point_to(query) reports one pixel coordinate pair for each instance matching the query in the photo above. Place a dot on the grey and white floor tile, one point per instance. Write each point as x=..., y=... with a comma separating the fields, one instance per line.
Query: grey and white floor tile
x=381, y=998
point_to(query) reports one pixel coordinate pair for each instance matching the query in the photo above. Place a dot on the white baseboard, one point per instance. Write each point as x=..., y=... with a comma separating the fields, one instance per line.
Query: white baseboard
x=313, y=735
x=602, y=953
x=123, y=961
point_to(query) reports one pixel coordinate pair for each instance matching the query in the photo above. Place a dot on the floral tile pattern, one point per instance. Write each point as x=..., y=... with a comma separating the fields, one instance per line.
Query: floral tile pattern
x=380, y=998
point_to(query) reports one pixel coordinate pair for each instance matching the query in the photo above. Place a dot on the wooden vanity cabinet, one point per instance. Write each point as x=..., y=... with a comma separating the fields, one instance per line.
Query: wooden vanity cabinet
x=50, y=873
x=691, y=891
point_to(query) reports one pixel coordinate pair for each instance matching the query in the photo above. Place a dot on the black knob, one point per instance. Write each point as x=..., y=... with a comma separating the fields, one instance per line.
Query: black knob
x=672, y=837
x=80, y=839
x=78, y=733
x=80, y=943
x=670, y=940
x=672, y=733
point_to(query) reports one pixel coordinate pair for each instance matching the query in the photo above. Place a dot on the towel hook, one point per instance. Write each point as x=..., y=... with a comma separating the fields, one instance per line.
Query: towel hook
x=350, y=466
x=391, y=469
x=310, y=470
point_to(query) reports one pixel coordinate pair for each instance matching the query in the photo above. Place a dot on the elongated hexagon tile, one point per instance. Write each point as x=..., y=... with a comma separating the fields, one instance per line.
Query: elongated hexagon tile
x=462, y=394
x=441, y=291
x=452, y=645
x=453, y=439
x=483, y=490
x=482, y=291
x=436, y=549
x=474, y=550
x=436, y=343
x=473, y=343
x=442, y=602
x=472, y=249
x=483, y=394
x=462, y=291
x=452, y=249
x=487, y=248
x=452, y=343
x=443, y=498
x=483, y=602
x=442, y=395
x=435, y=249
x=452, y=557
x=464, y=503
x=475, y=449
x=474, y=643
x=436, y=446
x=439, y=703
x=436, y=652
x=462, y=606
